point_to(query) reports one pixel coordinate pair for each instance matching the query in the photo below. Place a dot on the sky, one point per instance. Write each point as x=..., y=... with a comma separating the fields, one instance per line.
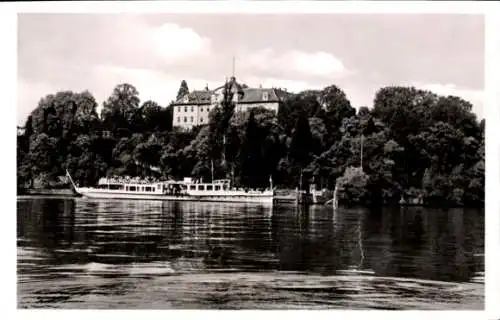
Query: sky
x=359, y=53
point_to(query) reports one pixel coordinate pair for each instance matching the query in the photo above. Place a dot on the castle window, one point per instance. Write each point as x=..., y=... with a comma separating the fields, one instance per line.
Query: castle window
x=185, y=109
x=201, y=119
x=192, y=119
x=208, y=109
x=179, y=109
x=179, y=119
x=192, y=108
x=185, y=119
x=201, y=109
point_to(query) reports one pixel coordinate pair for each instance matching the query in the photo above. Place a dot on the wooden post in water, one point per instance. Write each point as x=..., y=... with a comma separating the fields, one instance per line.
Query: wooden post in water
x=299, y=196
x=335, y=197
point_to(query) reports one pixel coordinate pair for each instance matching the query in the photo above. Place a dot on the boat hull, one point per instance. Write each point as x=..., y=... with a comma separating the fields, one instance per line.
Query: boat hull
x=253, y=198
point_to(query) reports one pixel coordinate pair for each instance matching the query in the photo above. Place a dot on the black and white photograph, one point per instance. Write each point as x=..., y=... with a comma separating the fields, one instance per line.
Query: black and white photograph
x=250, y=161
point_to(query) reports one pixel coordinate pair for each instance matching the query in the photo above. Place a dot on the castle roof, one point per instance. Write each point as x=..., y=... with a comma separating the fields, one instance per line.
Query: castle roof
x=246, y=95
x=195, y=97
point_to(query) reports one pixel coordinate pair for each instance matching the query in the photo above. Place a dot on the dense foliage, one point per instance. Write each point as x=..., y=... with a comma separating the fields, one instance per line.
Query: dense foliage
x=415, y=144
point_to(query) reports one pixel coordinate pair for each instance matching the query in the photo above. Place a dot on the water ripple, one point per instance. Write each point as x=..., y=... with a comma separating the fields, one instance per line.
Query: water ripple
x=139, y=254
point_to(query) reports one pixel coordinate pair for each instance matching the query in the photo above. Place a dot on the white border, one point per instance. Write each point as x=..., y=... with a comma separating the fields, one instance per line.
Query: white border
x=238, y=6
x=8, y=64
x=8, y=85
x=492, y=116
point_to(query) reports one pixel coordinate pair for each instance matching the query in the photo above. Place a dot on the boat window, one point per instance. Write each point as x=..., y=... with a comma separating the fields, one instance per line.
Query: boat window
x=116, y=187
x=131, y=188
x=201, y=188
x=210, y=187
x=224, y=187
x=217, y=187
x=148, y=189
x=193, y=187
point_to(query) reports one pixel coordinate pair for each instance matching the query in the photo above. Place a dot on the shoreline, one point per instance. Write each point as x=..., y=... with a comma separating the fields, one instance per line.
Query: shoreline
x=46, y=192
x=68, y=194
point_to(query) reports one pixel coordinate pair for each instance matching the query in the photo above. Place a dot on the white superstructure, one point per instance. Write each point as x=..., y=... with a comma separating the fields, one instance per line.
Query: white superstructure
x=217, y=190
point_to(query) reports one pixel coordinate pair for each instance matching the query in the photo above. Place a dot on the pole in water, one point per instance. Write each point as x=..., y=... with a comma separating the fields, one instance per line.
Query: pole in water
x=300, y=188
x=335, y=200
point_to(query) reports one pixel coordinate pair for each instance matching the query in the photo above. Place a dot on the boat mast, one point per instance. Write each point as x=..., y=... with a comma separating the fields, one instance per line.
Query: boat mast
x=212, y=169
x=71, y=180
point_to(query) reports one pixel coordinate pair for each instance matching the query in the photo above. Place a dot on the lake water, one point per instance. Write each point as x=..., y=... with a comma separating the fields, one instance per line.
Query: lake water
x=77, y=253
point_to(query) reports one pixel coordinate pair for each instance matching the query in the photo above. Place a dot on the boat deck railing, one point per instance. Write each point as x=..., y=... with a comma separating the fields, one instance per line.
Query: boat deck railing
x=126, y=180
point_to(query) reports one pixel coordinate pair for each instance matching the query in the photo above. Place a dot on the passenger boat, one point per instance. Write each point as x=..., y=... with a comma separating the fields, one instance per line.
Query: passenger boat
x=187, y=190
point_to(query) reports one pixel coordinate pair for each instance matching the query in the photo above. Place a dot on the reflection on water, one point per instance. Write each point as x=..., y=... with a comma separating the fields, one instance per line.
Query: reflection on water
x=145, y=254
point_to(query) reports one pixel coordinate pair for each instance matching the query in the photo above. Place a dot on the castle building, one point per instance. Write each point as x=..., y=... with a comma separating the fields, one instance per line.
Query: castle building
x=193, y=108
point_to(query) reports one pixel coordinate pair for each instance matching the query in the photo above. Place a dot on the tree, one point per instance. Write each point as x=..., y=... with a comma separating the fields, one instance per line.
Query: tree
x=337, y=107
x=86, y=118
x=121, y=108
x=416, y=144
x=152, y=117
x=319, y=134
x=183, y=90
x=42, y=157
x=85, y=166
x=304, y=102
x=301, y=145
x=219, y=120
x=251, y=154
x=352, y=186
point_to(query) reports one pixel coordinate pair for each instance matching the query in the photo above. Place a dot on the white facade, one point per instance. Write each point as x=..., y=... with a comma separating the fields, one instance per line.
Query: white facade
x=193, y=109
x=188, y=116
